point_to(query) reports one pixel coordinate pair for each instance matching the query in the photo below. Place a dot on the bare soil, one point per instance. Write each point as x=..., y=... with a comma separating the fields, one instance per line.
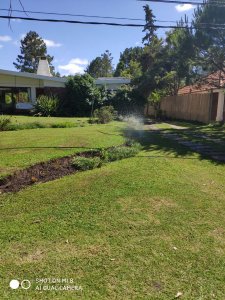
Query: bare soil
x=41, y=172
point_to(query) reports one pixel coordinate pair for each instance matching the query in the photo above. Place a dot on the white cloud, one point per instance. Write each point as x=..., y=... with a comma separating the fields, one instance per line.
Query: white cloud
x=22, y=36
x=5, y=38
x=184, y=7
x=16, y=20
x=75, y=66
x=16, y=43
x=1, y=46
x=53, y=44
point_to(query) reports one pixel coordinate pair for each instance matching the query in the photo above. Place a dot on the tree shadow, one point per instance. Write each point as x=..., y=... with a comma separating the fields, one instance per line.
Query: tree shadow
x=156, y=140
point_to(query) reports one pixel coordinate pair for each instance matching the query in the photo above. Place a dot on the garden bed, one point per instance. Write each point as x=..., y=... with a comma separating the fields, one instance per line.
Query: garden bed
x=59, y=167
x=41, y=172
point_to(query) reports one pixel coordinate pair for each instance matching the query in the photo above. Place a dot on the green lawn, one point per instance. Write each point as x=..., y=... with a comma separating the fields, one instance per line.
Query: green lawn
x=44, y=120
x=19, y=149
x=141, y=228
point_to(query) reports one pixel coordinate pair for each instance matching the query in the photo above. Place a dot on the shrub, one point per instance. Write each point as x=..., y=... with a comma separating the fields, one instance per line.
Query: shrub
x=64, y=125
x=80, y=96
x=46, y=106
x=86, y=163
x=120, y=152
x=5, y=123
x=127, y=100
x=105, y=114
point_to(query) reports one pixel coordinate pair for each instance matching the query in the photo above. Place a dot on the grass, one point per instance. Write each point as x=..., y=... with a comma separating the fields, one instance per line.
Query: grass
x=140, y=228
x=19, y=149
x=212, y=135
x=29, y=122
x=44, y=120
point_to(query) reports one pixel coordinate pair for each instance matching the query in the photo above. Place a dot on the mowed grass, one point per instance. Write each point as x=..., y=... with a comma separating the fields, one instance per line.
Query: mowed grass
x=141, y=228
x=44, y=120
x=19, y=149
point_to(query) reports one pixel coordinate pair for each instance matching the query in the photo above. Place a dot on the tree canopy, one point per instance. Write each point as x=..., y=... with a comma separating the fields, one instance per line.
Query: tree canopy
x=101, y=66
x=32, y=48
x=210, y=40
x=81, y=94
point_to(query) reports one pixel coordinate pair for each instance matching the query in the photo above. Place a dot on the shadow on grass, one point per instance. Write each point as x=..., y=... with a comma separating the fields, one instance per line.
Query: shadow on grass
x=152, y=140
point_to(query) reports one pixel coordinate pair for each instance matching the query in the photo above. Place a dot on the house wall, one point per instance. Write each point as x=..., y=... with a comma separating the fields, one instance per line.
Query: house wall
x=192, y=107
x=214, y=106
x=60, y=92
x=16, y=81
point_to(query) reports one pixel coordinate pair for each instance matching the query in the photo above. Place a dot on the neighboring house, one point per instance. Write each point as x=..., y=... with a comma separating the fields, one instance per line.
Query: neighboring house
x=19, y=90
x=203, y=101
x=112, y=83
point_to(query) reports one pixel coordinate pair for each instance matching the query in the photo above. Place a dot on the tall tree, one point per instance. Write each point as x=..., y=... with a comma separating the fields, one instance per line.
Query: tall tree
x=180, y=54
x=152, y=59
x=129, y=63
x=149, y=27
x=210, y=39
x=81, y=96
x=32, y=48
x=101, y=66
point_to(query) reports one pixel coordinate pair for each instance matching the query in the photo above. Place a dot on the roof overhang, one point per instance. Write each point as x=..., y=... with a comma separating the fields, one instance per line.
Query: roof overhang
x=32, y=75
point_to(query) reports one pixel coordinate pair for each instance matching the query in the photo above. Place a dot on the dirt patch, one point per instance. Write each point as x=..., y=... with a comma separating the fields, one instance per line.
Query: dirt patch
x=41, y=172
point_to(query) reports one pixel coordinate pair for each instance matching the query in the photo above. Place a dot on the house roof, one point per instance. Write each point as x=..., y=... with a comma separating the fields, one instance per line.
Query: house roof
x=214, y=81
x=112, y=80
x=98, y=81
x=32, y=75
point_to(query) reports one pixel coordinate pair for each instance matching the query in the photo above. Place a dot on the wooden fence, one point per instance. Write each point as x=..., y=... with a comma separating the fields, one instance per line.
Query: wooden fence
x=193, y=107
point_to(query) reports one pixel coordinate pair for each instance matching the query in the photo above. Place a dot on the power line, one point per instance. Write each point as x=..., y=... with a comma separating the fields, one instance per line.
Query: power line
x=81, y=15
x=71, y=21
x=71, y=15
x=206, y=26
x=100, y=17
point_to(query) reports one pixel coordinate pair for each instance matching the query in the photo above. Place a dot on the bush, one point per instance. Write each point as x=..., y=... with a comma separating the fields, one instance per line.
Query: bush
x=120, y=152
x=5, y=123
x=105, y=114
x=64, y=125
x=80, y=96
x=86, y=163
x=46, y=106
x=127, y=100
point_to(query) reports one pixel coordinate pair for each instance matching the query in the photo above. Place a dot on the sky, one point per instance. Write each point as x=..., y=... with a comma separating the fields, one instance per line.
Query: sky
x=73, y=45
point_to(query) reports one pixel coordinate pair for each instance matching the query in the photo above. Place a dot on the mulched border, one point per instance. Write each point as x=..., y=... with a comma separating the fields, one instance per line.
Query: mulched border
x=42, y=172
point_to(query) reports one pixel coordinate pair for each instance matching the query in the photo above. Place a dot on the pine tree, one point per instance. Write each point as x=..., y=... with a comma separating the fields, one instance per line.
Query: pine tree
x=210, y=35
x=101, y=66
x=32, y=48
x=149, y=28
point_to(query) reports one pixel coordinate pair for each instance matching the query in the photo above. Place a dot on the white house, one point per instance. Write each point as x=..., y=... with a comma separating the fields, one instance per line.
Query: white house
x=19, y=89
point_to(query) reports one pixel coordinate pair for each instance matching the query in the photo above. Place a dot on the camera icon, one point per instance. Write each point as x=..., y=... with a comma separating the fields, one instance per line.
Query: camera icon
x=25, y=284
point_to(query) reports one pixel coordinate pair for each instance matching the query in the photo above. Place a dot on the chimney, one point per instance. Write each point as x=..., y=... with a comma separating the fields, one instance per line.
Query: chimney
x=43, y=67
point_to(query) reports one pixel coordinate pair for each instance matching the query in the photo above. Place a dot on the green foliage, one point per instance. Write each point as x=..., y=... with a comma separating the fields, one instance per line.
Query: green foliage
x=120, y=152
x=65, y=125
x=105, y=114
x=129, y=63
x=101, y=66
x=210, y=40
x=154, y=99
x=149, y=28
x=81, y=94
x=128, y=100
x=5, y=123
x=86, y=163
x=32, y=48
x=133, y=71
x=46, y=106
